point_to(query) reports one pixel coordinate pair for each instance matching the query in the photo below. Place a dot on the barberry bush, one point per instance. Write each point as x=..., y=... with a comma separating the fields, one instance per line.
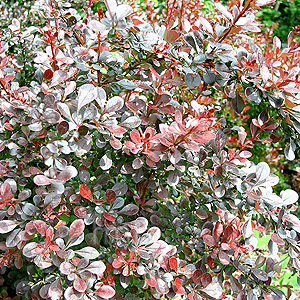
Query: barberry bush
x=126, y=166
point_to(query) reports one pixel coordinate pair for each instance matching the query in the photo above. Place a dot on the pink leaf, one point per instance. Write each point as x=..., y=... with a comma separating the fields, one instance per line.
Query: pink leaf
x=70, y=88
x=79, y=285
x=115, y=143
x=96, y=267
x=105, y=292
x=135, y=136
x=76, y=229
x=41, y=227
x=129, y=210
x=42, y=180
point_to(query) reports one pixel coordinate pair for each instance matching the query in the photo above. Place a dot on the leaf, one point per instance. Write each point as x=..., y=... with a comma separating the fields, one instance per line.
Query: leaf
x=276, y=239
x=289, y=197
x=59, y=76
x=260, y=274
x=55, y=290
x=170, y=36
x=86, y=94
x=109, y=217
x=68, y=173
x=40, y=226
x=7, y=226
x=110, y=196
x=192, y=80
x=289, y=151
x=140, y=224
x=131, y=122
x=224, y=258
x=209, y=240
x=105, y=292
x=29, y=249
x=105, y=162
x=76, y=229
x=129, y=210
x=197, y=275
x=66, y=268
x=173, y=179
x=209, y=77
x=114, y=104
x=42, y=180
x=85, y=192
x=70, y=88
x=173, y=263
x=206, y=279
x=96, y=267
x=115, y=143
x=120, y=189
x=79, y=285
x=88, y=252
x=237, y=103
x=262, y=171
x=97, y=26
x=127, y=84
x=48, y=74
x=265, y=74
x=123, y=11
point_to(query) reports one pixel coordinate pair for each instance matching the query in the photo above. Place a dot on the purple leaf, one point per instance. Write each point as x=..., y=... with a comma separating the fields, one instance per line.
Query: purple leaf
x=129, y=210
x=56, y=290
x=120, y=189
x=68, y=173
x=7, y=226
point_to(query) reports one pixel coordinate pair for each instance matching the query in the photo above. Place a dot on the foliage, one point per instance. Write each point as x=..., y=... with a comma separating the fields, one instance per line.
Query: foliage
x=285, y=13
x=125, y=161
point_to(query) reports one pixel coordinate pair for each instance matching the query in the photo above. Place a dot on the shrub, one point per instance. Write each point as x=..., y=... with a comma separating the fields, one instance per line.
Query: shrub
x=123, y=175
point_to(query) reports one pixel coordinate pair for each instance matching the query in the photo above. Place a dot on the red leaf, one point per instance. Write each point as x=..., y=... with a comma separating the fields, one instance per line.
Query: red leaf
x=109, y=217
x=173, y=263
x=105, y=292
x=218, y=230
x=85, y=192
x=48, y=74
x=76, y=229
x=110, y=196
x=197, y=275
x=178, y=287
x=206, y=279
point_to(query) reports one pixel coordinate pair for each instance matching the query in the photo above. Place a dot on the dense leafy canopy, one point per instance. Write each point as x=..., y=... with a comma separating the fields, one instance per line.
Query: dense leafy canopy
x=121, y=175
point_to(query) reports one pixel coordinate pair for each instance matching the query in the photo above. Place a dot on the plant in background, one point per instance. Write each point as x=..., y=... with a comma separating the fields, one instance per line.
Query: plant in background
x=119, y=178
